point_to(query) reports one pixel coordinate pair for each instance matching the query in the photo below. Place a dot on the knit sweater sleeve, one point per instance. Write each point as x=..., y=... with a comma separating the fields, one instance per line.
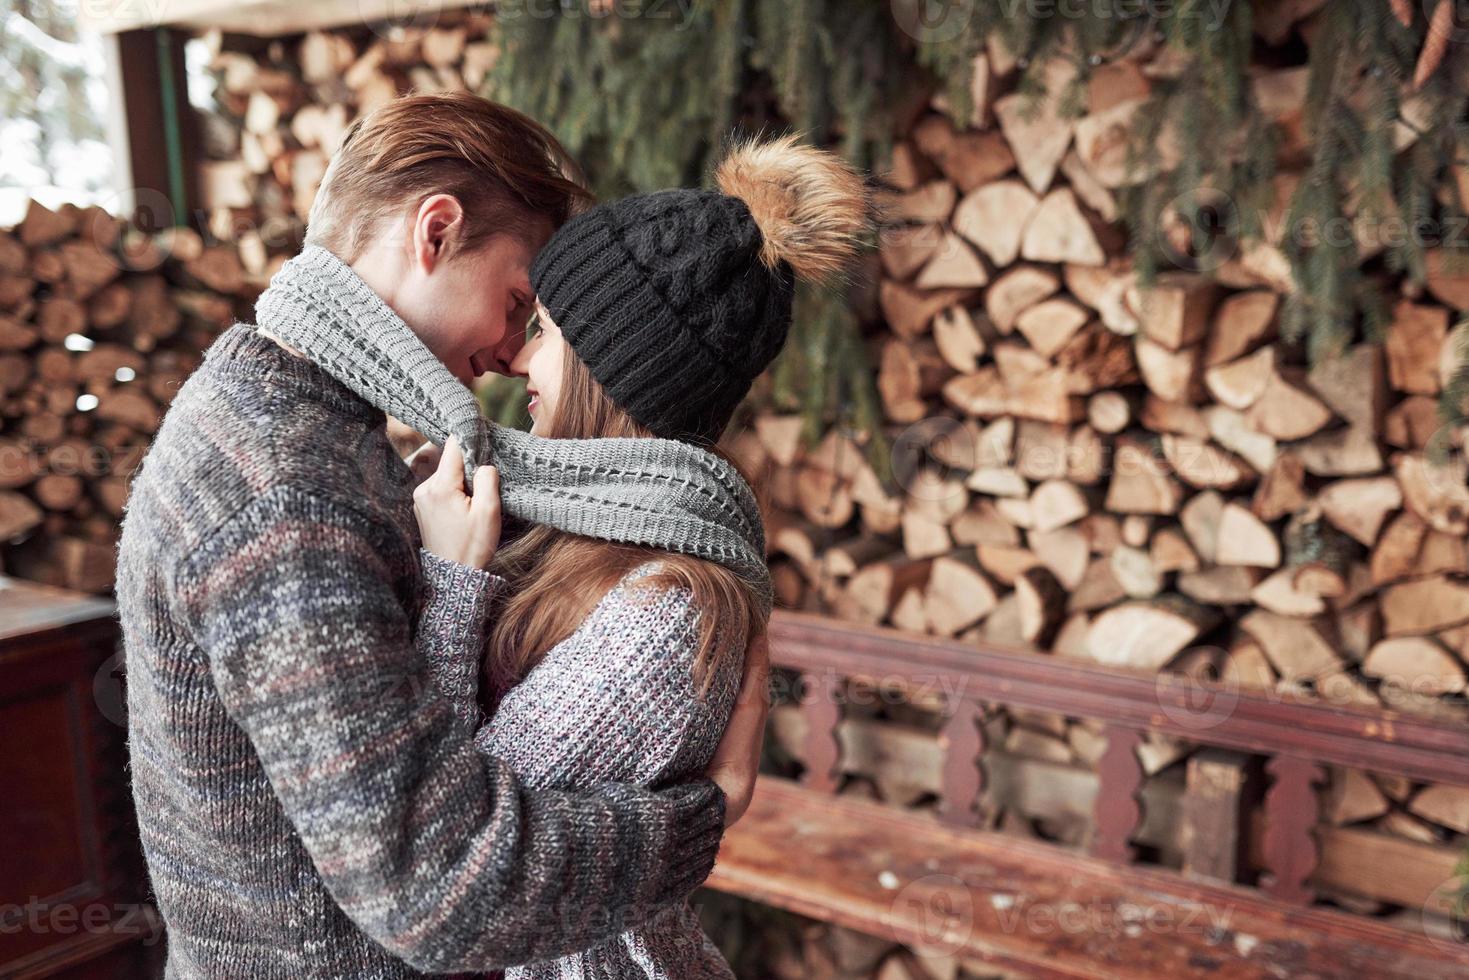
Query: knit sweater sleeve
x=435, y=850
x=618, y=699
x=451, y=629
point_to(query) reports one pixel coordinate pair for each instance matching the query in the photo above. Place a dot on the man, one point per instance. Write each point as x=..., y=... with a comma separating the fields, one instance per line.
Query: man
x=308, y=806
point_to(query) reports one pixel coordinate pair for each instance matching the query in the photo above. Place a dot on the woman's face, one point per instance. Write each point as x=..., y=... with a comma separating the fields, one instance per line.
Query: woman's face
x=540, y=362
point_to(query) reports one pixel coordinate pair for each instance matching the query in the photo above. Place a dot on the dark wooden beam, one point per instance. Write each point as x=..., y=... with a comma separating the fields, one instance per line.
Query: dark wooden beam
x=155, y=133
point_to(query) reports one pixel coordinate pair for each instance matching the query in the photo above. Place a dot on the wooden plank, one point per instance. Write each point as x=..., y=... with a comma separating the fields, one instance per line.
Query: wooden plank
x=33, y=612
x=263, y=18
x=1045, y=911
x=1247, y=721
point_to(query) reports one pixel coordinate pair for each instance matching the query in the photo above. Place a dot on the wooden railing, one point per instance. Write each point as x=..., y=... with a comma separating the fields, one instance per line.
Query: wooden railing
x=1294, y=735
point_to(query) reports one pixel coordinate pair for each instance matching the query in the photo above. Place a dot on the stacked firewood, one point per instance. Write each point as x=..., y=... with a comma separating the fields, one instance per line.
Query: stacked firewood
x=285, y=105
x=1147, y=477
x=789, y=947
x=99, y=326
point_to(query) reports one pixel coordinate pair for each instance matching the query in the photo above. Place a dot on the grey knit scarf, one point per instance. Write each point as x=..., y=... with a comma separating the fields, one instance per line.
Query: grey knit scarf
x=659, y=493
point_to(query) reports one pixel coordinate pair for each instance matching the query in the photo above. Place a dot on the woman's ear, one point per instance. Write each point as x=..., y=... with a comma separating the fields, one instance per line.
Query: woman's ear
x=437, y=228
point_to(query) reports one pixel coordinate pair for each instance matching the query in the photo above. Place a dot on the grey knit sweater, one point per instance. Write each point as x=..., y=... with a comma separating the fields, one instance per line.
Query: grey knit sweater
x=308, y=804
x=615, y=701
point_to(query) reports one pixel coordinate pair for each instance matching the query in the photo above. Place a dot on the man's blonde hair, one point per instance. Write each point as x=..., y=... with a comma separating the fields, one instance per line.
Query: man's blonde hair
x=506, y=170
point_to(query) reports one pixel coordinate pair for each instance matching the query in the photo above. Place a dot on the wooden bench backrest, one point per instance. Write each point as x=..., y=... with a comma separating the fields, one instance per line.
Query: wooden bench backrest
x=1294, y=734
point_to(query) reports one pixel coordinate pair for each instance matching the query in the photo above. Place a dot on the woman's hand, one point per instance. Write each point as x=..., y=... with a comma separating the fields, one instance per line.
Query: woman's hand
x=454, y=525
x=736, y=761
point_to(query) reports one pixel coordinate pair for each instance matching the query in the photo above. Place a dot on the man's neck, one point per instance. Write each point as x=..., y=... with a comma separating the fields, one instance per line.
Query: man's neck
x=278, y=342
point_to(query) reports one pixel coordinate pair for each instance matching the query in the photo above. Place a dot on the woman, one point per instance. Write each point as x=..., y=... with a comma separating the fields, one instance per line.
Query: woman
x=610, y=662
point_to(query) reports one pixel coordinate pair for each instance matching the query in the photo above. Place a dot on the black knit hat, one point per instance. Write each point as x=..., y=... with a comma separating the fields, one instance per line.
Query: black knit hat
x=678, y=300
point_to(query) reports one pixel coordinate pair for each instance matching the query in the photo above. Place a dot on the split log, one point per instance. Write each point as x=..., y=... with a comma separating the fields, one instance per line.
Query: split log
x=995, y=217
x=1171, y=375
x=1141, y=482
x=1063, y=551
x=1147, y=634
x=872, y=591
x=909, y=311
x=1204, y=465
x=1038, y=135
x=1175, y=311
x=1109, y=412
x=1050, y=324
x=957, y=596
x=1200, y=519
x=1282, y=489
x=958, y=340
x=1416, y=664
x=1135, y=572
x=1395, y=554
x=1447, y=806
x=1219, y=585
x=953, y=265
x=1055, y=504
x=1435, y=491
x=1005, y=563
x=1016, y=290
x=1059, y=231
x=1424, y=606
x=1414, y=339
x=1232, y=431
x=1245, y=540
x=1241, y=323
x=1285, y=410
x=1298, y=649
x=982, y=523
x=1360, y=507
x=1354, y=387
x=1239, y=384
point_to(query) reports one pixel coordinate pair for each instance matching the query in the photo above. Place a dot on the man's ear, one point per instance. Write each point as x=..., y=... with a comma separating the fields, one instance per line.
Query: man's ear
x=436, y=230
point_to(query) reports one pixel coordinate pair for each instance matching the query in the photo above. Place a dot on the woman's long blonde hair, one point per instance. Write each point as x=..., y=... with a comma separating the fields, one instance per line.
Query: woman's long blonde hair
x=556, y=579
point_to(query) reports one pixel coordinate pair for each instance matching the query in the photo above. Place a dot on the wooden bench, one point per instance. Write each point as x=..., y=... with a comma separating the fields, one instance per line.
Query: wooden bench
x=1046, y=910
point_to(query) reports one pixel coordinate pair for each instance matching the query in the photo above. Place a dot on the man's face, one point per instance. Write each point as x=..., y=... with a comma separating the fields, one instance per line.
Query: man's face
x=471, y=309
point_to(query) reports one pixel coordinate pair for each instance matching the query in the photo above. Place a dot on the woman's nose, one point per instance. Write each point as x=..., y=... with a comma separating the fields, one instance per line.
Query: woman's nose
x=520, y=364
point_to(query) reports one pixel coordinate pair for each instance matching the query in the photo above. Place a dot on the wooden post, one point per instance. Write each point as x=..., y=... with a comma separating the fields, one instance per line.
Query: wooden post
x=1291, y=813
x=1221, y=785
x=1118, y=811
x=152, y=128
x=963, y=777
x=822, y=750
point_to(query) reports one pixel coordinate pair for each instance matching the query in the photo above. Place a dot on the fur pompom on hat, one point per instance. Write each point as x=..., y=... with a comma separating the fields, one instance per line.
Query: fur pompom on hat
x=678, y=300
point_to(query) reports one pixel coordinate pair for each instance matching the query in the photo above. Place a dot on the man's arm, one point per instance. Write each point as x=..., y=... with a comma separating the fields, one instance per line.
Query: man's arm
x=451, y=630
x=433, y=849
